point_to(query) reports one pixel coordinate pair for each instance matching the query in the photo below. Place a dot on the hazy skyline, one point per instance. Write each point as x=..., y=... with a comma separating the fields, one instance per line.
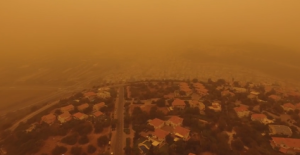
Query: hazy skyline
x=48, y=27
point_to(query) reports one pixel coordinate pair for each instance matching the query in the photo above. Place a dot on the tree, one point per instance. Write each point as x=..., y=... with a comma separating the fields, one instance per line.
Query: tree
x=71, y=139
x=161, y=102
x=58, y=150
x=237, y=145
x=102, y=141
x=83, y=140
x=75, y=150
x=91, y=149
x=169, y=139
x=57, y=112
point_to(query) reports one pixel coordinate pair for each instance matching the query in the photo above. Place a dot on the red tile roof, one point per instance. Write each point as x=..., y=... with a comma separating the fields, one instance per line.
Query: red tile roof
x=178, y=102
x=258, y=116
x=50, y=118
x=176, y=120
x=98, y=113
x=83, y=106
x=192, y=154
x=289, y=105
x=79, y=115
x=67, y=108
x=156, y=122
x=160, y=134
x=275, y=97
x=182, y=131
x=66, y=115
x=241, y=109
x=289, y=142
x=89, y=94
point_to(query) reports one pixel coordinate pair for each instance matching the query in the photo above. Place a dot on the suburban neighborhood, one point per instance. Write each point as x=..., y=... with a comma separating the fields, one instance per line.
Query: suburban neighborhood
x=166, y=117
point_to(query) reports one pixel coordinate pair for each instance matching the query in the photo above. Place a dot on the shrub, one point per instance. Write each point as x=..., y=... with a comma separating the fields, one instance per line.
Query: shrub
x=76, y=150
x=103, y=140
x=91, y=149
x=83, y=140
x=58, y=150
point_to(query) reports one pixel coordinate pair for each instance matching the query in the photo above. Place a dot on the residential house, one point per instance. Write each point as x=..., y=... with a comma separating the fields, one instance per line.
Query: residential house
x=80, y=116
x=104, y=89
x=262, y=118
x=90, y=95
x=182, y=132
x=288, y=107
x=192, y=154
x=286, y=145
x=159, y=135
x=275, y=97
x=31, y=128
x=200, y=89
x=183, y=86
x=239, y=90
x=215, y=106
x=98, y=106
x=178, y=103
x=174, y=121
x=242, y=111
x=65, y=117
x=98, y=114
x=67, y=108
x=227, y=93
x=156, y=123
x=104, y=94
x=49, y=119
x=280, y=130
x=82, y=107
x=198, y=104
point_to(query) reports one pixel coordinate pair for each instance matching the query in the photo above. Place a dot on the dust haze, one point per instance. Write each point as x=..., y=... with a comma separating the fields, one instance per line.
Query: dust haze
x=50, y=46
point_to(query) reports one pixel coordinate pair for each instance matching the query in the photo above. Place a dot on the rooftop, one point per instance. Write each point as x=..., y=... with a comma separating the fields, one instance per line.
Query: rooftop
x=281, y=129
x=89, y=94
x=176, y=120
x=181, y=131
x=98, y=113
x=241, y=109
x=178, y=102
x=160, y=134
x=83, y=106
x=289, y=142
x=79, y=115
x=156, y=122
x=289, y=105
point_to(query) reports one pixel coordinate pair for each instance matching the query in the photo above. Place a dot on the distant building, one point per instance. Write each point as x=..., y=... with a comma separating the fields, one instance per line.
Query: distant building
x=104, y=94
x=192, y=154
x=178, y=103
x=239, y=90
x=215, y=106
x=67, y=108
x=198, y=104
x=182, y=132
x=288, y=107
x=275, y=97
x=156, y=123
x=174, y=121
x=82, y=107
x=286, y=145
x=49, y=119
x=98, y=114
x=262, y=118
x=90, y=95
x=98, y=106
x=280, y=130
x=80, y=116
x=65, y=117
x=242, y=111
x=31, y=128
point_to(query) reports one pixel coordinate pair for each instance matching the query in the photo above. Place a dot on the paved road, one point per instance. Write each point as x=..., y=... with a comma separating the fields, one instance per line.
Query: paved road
x=118, y=146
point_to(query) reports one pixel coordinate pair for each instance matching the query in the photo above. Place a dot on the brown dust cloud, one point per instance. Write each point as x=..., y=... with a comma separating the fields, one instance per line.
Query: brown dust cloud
x=47, y=46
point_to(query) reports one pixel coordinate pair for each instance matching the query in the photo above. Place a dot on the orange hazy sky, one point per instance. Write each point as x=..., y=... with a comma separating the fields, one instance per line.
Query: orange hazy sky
x=44, y=26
